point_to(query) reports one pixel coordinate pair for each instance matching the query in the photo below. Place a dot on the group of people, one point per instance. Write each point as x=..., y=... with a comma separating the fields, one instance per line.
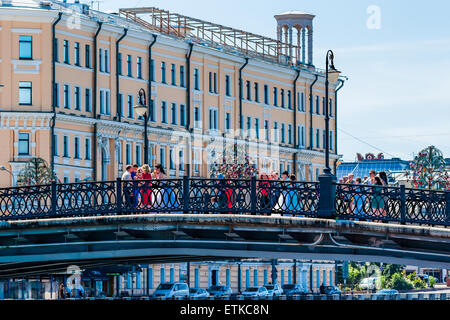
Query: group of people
x=279, y=195
x=379, y=179
x=144, y=188
x=361, y=201
x=273, y=194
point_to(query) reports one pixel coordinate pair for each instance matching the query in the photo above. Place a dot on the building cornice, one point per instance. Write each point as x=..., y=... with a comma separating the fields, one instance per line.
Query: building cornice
x=7, y=117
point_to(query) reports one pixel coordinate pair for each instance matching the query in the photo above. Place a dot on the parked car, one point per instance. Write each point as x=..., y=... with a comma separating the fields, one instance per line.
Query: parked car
x=198, y=293
x=292, y=289
x=220, y=291
x=387, y=292
x=255, y=292
x=332, y=290
x=368, y=283
x=172, y=290
x=274, y=290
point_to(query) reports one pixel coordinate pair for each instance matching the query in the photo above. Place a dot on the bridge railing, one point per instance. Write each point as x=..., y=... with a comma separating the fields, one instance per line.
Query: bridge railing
x=187, y=195
x=24, y=202
x=399, y=204
x=238, y=196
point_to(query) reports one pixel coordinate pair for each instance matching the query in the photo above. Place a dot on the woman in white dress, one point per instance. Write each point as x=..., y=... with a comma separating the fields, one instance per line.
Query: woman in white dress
x=165, y=196
x=284, y=197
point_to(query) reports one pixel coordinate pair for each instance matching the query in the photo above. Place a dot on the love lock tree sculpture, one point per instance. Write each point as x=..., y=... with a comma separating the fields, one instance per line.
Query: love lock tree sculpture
x=36, y=172
x=429, y=170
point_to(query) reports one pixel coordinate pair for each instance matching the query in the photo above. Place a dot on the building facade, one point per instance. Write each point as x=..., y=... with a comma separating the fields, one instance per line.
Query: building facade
x=236, y=275
x=71, y=75
x=142, y=280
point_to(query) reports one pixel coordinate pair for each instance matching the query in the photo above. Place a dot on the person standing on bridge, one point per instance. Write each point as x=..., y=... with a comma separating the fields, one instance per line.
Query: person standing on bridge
x=284, y=196
x=127, y=174
x=275, y=190
x=349, y=196
x=163, y=195
x=359, y=200
x=264, y=186
x=134, y=171
x=377, y=201
x=294, y=205
x=146, y=191
x=127, y=186
x=384, y=181
x=371, y=179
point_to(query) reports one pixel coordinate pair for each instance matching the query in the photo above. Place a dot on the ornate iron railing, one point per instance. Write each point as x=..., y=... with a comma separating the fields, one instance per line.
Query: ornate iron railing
x=237, y=196
x=399, y=204
x=368, y=202
x=187, y=195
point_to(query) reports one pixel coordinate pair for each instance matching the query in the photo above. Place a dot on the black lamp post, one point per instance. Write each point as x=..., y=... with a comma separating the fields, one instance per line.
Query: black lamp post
x=332, y=74
x=142, y=110
x=327, y=179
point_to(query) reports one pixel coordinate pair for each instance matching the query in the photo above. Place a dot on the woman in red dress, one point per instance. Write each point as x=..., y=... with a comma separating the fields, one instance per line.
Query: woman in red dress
x=146, y=192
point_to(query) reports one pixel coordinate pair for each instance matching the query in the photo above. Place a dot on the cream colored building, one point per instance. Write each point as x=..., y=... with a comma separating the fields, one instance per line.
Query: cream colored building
x=309, y=275
x=86, y=126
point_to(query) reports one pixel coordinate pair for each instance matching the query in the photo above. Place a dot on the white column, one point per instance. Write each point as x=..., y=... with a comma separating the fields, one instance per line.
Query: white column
x=279, y=33
x=310, y=46
x=286, y=40
x=279, y=38
x=290, y=41
x=303, y=36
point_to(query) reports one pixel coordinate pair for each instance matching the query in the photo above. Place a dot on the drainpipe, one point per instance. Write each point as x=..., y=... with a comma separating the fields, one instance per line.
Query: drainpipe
x=241, y=125
x=188, y=106
x=335, y=120
x=149, y=90
x=52, y=133
x=94, y=143
x=311, y=113
x=119, y=116
x=295, y=121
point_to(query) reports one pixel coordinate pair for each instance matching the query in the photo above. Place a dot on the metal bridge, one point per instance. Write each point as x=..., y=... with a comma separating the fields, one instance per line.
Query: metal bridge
x=31, y=247
x=47, y=227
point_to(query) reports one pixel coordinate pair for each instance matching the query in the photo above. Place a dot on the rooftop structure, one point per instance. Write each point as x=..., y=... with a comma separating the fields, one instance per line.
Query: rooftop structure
x=362, y=167
x=219, y=36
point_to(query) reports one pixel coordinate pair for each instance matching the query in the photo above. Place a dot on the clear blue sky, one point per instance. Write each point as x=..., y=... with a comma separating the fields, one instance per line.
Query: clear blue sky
x=397, y=95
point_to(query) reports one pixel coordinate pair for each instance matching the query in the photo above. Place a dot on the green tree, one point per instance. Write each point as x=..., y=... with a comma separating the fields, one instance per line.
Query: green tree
x=36, y=172
x=431, y=281
x=355, y=275
x=399, y=282
x=390, y=269
x=416, y=281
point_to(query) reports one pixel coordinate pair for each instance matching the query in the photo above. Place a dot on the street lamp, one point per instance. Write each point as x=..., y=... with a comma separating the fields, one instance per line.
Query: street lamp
x=2, y=168
x=333, y=75
x=142, y=110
